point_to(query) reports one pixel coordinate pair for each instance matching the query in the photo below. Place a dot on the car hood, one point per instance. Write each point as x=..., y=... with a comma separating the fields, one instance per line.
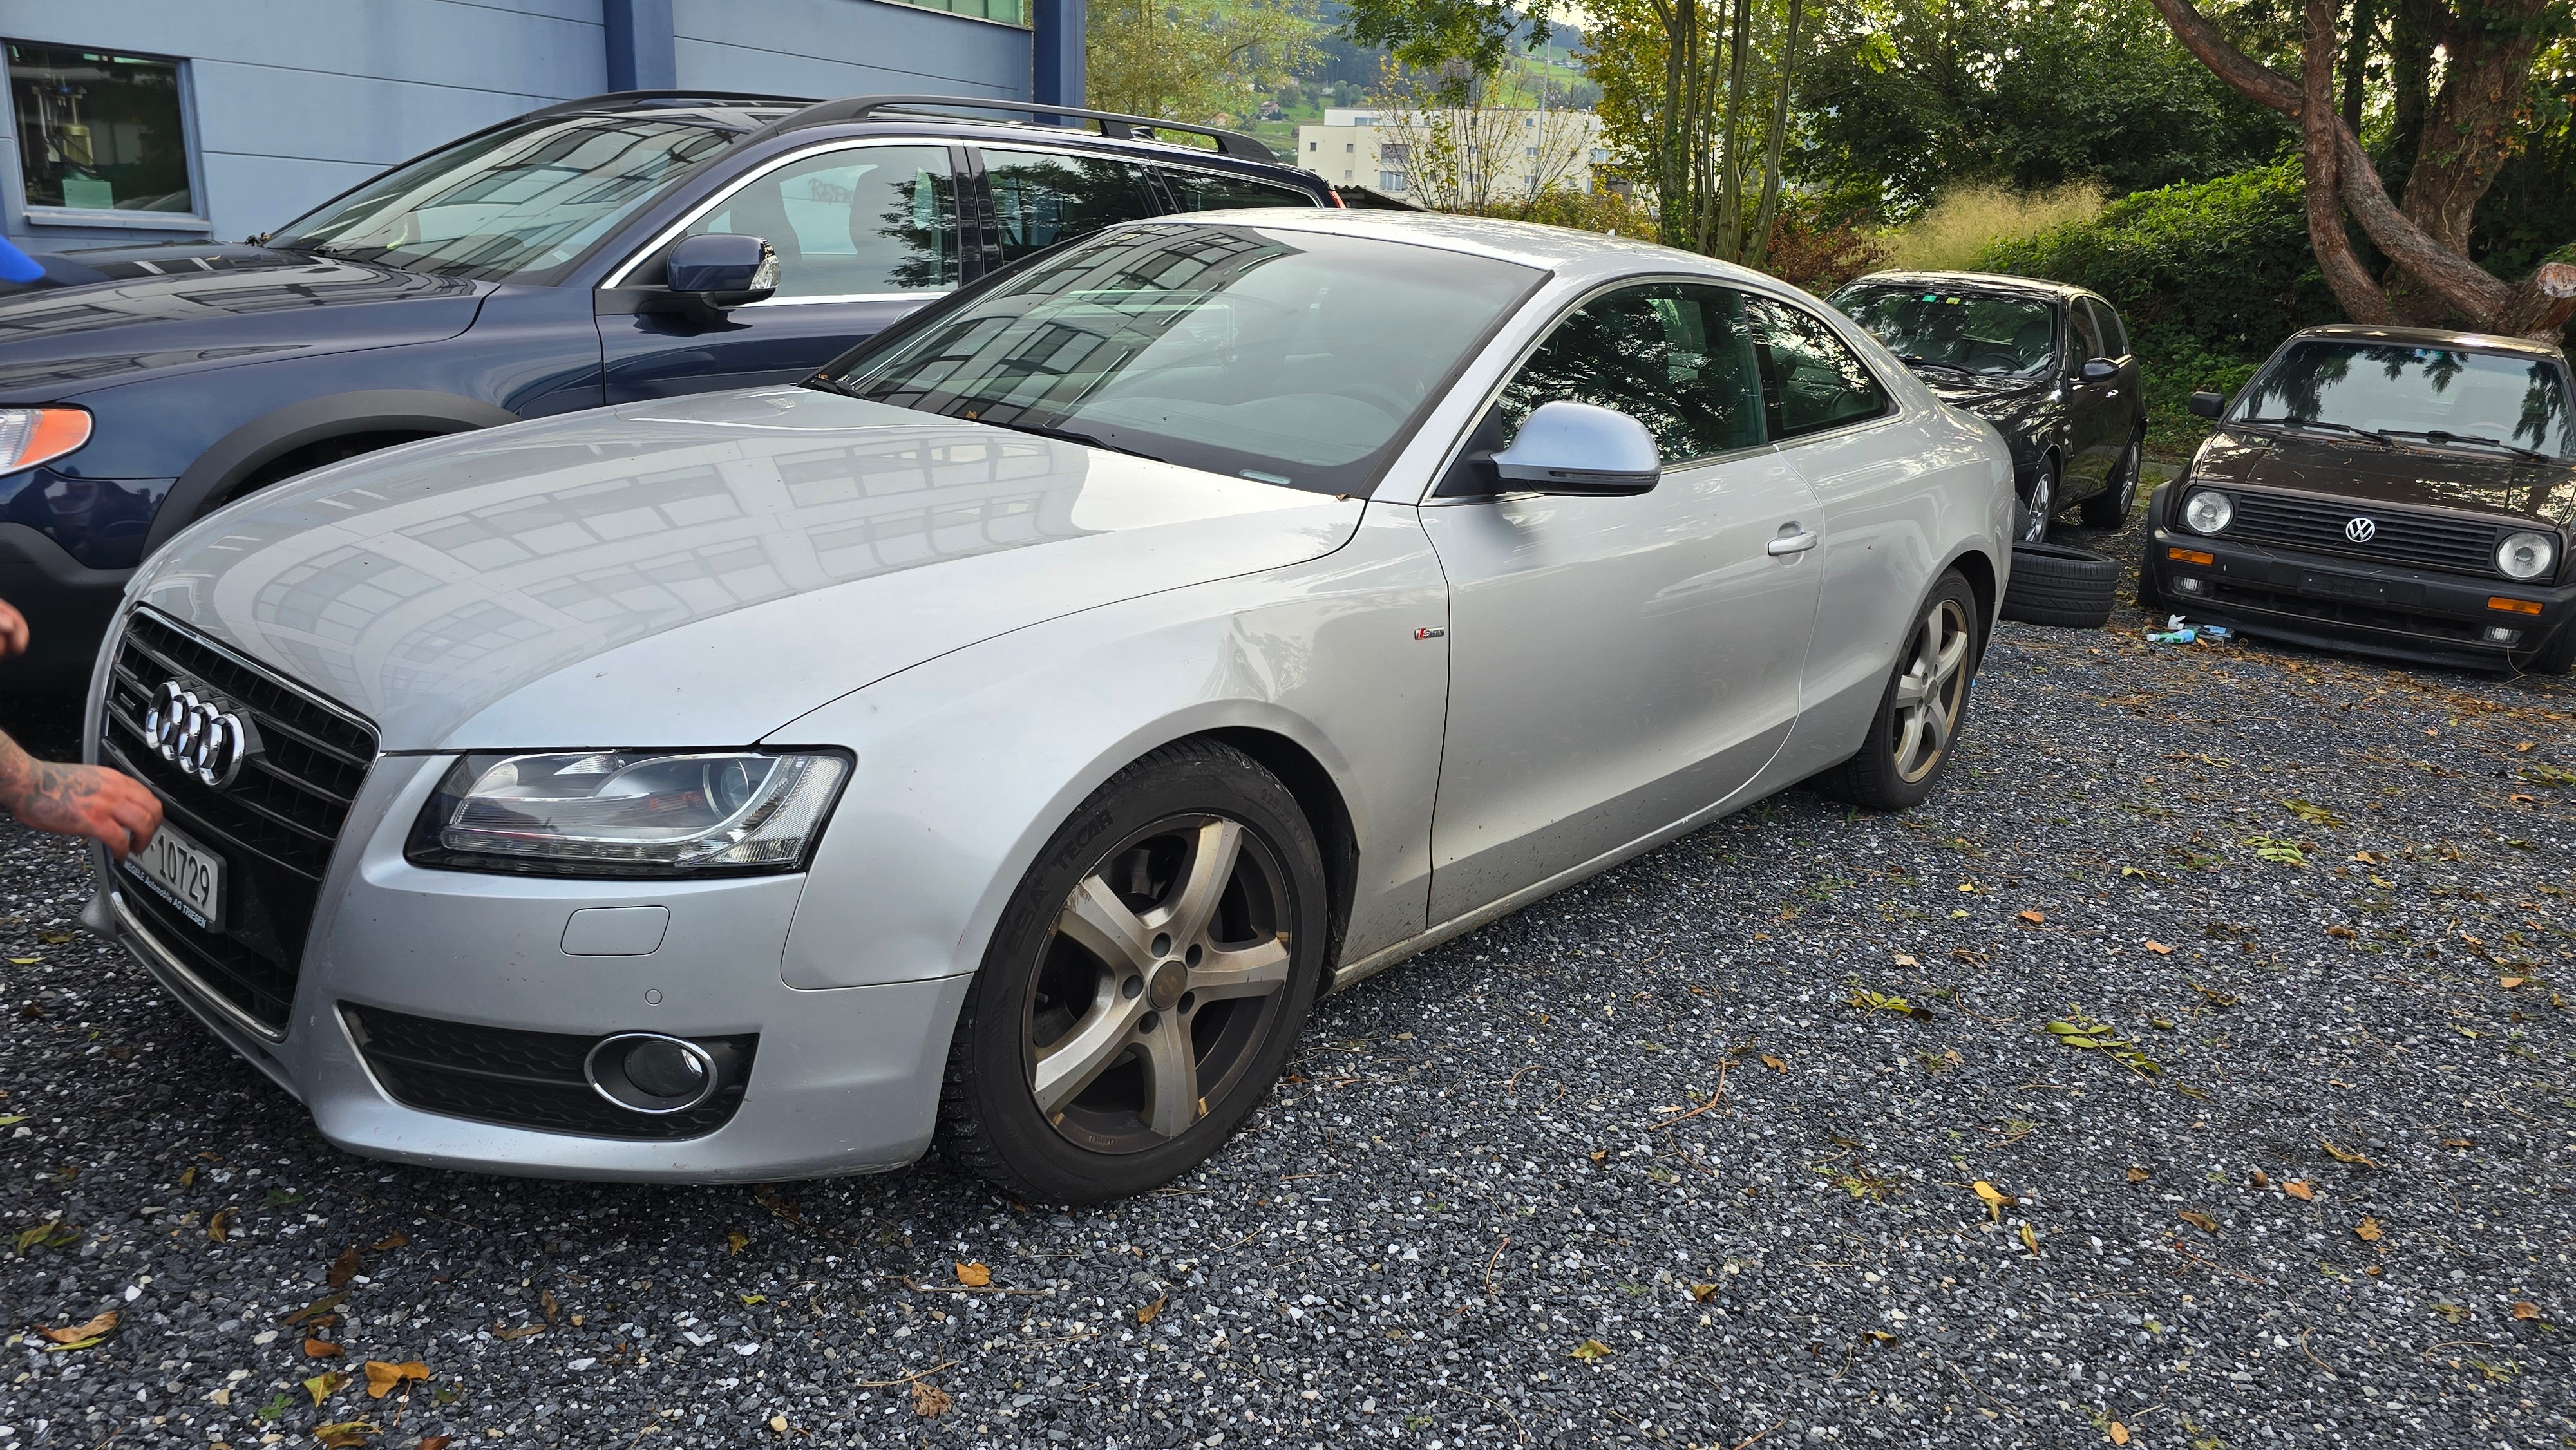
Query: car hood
x=2494, y=483
x=694, y=571
x=120, y=312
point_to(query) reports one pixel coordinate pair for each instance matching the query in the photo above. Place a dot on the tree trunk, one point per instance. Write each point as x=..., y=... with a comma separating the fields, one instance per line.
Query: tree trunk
x=2354, y=287
x=1730, y=179
x=2413, y=30
x=2356, y=64
x=1757, y=242
x=2487, y=49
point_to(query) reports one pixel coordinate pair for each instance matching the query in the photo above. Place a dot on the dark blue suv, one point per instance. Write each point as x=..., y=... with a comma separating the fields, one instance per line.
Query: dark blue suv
x=609, y=250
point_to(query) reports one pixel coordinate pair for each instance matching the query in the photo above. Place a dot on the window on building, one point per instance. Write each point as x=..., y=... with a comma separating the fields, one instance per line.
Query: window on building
x=1314, y=145
x=1009, y=12
x=99, y=132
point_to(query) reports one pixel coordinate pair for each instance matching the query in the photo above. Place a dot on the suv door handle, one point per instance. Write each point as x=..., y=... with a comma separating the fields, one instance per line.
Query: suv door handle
x=1792, y=540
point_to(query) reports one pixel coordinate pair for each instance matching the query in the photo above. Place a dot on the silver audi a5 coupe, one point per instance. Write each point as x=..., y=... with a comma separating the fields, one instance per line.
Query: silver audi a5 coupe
x=1001, y=738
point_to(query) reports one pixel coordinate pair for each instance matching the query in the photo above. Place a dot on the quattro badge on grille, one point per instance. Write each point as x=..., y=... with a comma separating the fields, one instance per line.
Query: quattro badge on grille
x=201, y=734
x=2361, y=530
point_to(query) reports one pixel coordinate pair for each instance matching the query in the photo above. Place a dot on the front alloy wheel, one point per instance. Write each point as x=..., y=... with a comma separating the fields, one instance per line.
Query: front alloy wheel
x=1145, y=982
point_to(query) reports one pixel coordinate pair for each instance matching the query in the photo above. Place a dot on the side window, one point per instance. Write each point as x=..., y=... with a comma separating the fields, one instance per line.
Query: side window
x=2106, y=324
x=868, y=219
x=1215, y=191
x=1045, y=197
x=1677, y=357
x=2087, y=339
x=1814, y=381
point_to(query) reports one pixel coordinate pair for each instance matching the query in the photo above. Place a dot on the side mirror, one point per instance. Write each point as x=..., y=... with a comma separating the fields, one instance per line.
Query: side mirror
x=2100, y=370
x=1582, y=449
x=723, y=269
x=2208, y=405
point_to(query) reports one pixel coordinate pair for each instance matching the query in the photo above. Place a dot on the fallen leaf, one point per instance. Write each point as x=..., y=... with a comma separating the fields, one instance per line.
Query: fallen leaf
x=2343, y=933
x=2368, y=1230
x=434, y=1442
x=1598, y=1154
x=92, y=1330
x=314, y=1312
x=522, y=1332
x=2261, y=1179
x=1773, y=1063
x=1995, y=1199
x=220, y=1226
x=323, y=1386
x=2345, y=1155
x=2159, y=948
x=344, y=1434
x=1590, y=1350
x=384, y=1378
x=2029, y=1240
x=747, y=1299
x=1701, y=1292
x=974, y=1276
x=546, y=1301
x=2118, y=1432
x=344, y=1268
x=929, y=1401
x=2200, y=1221
x=2137, y=1174
x=2509, y=983
x=2035, y=918
x=2526, y=1311
x=2299, y=1190
x=321, y=1348
x=735, y=1241
x=1150, y=1312
x=1903, y=960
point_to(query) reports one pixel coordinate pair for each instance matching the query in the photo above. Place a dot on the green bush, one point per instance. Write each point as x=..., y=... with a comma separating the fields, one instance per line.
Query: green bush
x=2210, y=275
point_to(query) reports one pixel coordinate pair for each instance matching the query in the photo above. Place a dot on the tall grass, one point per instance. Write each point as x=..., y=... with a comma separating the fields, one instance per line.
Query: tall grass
x=1968, y=219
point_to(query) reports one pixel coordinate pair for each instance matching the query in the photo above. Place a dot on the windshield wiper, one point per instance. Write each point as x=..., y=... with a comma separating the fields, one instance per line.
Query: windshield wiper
x=2438, y=435
x=2373, y=434
x=1068, y=435
x=1918, y=360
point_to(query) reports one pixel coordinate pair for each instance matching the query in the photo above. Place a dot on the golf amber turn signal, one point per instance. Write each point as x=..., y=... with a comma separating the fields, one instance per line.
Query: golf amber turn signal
x=2191, y=556
x=29, y=436
x=2514, y=606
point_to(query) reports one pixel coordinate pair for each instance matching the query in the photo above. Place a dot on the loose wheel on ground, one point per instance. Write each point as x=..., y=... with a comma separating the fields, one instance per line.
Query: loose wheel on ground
x=2055, y=584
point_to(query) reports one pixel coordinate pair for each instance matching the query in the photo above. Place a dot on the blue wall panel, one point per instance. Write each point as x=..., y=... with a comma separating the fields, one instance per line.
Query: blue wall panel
x=846, y=48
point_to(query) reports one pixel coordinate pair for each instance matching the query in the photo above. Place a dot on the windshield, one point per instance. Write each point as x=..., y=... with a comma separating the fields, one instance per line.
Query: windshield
x=1286, y=356
x=519, y=204
x=1974, y=332
x=2416, y=392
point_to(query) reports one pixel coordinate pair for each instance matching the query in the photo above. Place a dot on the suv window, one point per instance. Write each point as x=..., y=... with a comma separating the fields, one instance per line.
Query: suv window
x=1216, y=191
x=1041, y=198
x=1678, y=357
x=2106, y=323
x=1815, y=381
x=850, y=222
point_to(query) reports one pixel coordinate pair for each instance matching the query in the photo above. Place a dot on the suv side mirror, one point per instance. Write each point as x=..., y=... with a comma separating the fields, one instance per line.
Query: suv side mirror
x=1581, y=449
x=2208, y=405
x=2100, y=370
x=722, y=269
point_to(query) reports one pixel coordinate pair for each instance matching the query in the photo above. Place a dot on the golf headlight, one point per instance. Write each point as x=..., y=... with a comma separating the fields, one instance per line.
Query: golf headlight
x=2207, y=512
x=630, y=813
x=2526, y=555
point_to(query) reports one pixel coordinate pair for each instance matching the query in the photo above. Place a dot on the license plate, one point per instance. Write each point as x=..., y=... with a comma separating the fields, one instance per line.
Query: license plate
x=185, y=874
x=2345, y=586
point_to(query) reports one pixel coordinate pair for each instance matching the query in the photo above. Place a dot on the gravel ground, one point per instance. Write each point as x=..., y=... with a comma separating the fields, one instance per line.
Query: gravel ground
x=1628, y=1167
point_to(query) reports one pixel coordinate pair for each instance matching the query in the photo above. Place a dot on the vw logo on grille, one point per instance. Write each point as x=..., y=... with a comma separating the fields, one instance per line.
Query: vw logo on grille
x=203, y=736
x=2361, y=530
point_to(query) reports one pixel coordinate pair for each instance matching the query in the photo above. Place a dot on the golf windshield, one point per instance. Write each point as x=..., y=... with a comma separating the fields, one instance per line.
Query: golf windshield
x=2441, y=395
x=1963, y=330
x=1288, y=356
x=518, y=204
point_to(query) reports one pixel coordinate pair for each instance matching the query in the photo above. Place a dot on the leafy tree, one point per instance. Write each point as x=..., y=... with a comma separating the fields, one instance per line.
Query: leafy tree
x=1699, y=112
x=1195, y=60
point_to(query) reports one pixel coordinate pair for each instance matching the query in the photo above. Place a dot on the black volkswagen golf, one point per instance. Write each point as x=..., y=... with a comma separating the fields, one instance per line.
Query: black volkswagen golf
x=2049, y=365
x=2390, y=490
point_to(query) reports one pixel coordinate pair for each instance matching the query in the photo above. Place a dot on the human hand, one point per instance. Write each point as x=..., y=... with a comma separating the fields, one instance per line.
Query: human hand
x=13, y=631
x=83, y=800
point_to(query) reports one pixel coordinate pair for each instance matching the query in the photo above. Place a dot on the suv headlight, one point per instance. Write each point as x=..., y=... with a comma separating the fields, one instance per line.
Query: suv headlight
x=2526, y=555
x=629, y=813
x=2207, y=512
x=29, y=436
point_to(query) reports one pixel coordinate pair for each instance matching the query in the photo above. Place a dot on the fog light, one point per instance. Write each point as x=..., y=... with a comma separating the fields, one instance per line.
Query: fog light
x=2188, y=586
x=2498, y=634
x=650, y=1073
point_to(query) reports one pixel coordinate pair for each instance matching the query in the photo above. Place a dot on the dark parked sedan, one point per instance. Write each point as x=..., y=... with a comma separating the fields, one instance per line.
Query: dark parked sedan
x=2048, y=365
x=2392, y=490
x=613, y=250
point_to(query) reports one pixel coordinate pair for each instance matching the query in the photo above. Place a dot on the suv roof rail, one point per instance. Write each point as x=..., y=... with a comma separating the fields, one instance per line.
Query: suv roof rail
x=614, y=98
x=1111, y=123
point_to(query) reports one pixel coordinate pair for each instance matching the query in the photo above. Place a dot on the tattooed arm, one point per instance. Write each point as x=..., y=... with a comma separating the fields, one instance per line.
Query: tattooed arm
x=77, y=800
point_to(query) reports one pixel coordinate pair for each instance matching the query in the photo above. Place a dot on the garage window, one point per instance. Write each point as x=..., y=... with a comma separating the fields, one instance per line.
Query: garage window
x=98, y=131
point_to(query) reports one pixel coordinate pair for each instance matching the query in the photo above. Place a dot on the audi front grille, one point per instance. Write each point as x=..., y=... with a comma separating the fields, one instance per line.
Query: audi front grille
x=274, y=824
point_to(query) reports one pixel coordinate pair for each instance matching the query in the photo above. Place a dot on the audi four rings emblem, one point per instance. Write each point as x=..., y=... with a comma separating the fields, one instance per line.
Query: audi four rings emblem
x=203, y=736
x=2360, y=530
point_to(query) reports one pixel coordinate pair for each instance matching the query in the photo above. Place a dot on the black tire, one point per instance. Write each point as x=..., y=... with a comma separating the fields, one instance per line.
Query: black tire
x=2559, y=657
x=1043, y=994
x=2039, y=505
x=2150, y=600
x=1875, y=778
x=2055, y=584
x=2110, y=508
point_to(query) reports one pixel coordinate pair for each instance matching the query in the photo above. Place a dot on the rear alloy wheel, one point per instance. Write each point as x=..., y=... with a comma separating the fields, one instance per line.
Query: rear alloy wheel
x=1918, y=720
x=1145, y=984
x=2110, y=508
x=2042, y=503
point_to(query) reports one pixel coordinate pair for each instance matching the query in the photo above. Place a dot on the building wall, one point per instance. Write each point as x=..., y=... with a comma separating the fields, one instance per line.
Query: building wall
x=1354, y=146
x=289, y=102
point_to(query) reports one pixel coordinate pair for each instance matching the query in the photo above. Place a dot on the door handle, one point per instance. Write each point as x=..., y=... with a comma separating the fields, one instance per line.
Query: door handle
x=2115, y=392
x=1792, y=540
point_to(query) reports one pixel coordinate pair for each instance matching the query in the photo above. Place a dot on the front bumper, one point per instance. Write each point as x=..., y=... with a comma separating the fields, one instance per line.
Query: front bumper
x=67, y=605
x=2350, y=604
x=843, y=1080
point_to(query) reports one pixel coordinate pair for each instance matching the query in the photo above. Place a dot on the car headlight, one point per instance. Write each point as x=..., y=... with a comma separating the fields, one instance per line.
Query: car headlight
x=2208, y=512
x=629, y=813
x=29, y=436
x=2526, y=555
